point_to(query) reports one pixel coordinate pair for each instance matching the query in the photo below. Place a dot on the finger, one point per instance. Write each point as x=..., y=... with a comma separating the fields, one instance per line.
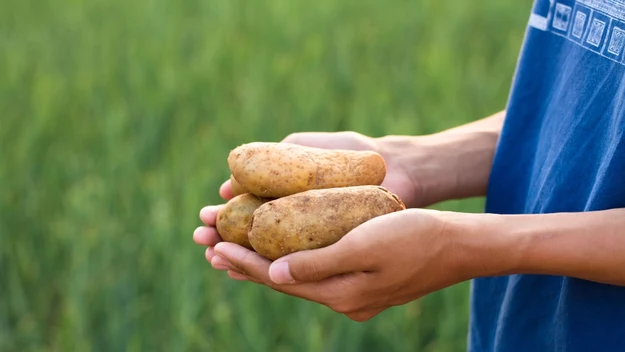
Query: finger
x=222, y=264
x=311, y=139
x=240, y=277
x=255, y=267
x=208, y=214
x=237, y=276
x=343, y=257
x=225, y=191
x=249, y=278
x=206, y=236
x=245, y=261
x=209, y=254
x=331, y=140
x=219, y=263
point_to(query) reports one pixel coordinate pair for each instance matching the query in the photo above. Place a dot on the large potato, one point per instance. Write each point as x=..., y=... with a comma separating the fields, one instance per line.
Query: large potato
x=316, y=218
x=233, y=219
x=275, y=170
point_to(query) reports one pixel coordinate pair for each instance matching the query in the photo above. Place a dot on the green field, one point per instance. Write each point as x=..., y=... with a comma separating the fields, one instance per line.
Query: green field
x=115, y=122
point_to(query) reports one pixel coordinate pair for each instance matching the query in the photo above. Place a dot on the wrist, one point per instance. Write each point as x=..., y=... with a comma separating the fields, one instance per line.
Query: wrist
x=484, y=245
x=426, y=163
x=443, y=166
x=585, y=245
x=452, y=164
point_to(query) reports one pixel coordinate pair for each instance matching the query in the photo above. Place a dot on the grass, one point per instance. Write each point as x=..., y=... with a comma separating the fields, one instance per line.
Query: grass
x=116, y=120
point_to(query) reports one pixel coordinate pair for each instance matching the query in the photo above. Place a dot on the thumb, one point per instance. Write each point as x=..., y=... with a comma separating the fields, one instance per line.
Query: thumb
x=339, y=258
x=310, y=139
x=225, y=190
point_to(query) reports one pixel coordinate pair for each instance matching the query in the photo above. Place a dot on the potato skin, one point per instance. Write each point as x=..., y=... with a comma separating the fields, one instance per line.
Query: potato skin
x=236, y=187
x=316, y=218
x=233, y=219
x=275, y=170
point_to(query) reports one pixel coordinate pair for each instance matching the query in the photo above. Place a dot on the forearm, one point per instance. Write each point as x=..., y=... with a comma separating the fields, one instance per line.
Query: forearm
x=589, y=245
x=451, y=164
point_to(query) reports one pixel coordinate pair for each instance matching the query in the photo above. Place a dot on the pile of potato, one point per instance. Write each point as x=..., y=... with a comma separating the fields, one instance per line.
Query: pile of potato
x=290, y=197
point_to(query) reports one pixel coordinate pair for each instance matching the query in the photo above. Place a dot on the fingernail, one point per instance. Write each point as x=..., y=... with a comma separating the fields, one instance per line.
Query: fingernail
x=280, y=273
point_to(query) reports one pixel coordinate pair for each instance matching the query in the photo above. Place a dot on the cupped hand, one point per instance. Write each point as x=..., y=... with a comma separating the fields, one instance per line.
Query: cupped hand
x=362, y=254
x=397, y=179
x=385, y=262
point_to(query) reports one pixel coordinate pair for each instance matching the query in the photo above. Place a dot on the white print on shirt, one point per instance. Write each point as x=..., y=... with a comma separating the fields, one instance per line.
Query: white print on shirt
x=597, y=25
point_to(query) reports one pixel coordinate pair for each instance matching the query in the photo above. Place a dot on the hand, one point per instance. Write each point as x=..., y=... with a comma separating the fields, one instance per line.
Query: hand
x=385, y=262
x=397, y=179
x=368, y=248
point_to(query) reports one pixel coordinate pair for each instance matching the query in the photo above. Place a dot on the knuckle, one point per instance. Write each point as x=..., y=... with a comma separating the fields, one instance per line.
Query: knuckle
x=311, y=270
x=247, y=259
x=244, y=264
x=307, y=270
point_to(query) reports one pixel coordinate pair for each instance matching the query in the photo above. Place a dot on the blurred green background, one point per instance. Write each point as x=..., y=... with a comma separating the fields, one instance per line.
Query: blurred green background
x=116, y=118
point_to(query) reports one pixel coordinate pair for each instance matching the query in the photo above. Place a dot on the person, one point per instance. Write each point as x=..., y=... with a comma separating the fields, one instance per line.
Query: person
x=546, y=258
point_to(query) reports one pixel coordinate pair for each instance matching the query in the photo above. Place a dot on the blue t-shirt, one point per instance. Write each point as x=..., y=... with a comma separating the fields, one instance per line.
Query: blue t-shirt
x=562, y=149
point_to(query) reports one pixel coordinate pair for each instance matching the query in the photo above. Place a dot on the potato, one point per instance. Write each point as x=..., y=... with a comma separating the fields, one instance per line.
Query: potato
x=236, y=187
x=316, y=218
x=275, y=170
x=233, y=219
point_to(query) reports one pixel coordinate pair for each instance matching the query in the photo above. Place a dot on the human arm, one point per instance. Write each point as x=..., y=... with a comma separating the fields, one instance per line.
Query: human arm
x=421, y=170
x=400, y=257
x=424, y=169
x=452, y=164
x=584, y=245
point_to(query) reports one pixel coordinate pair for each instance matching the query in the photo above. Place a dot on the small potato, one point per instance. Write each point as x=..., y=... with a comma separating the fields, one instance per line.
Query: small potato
x=236, y=187
x=316, y=218
x=233, y=219
x=275, y=170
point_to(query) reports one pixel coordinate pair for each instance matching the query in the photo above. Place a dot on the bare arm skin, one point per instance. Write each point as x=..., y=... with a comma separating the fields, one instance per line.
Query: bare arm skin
x=397, y=258
x=589, y=245
x=452, y=164
x=403, y=256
